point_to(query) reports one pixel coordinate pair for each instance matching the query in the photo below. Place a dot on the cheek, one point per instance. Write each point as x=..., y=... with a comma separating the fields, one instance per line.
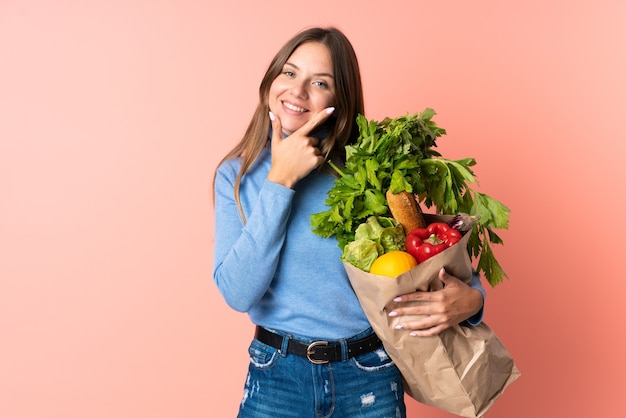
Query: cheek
x=271, y=99
x=273, y=93
x=324, y=101
x=331, y=98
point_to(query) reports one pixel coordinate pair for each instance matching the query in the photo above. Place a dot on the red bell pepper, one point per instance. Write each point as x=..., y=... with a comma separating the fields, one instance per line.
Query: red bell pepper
x=423, y=243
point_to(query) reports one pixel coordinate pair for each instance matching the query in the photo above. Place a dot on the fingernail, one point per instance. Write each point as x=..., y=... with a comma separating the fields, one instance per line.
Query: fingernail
x=330, y=110
x=272, y=117
x=398, y=299
x=412, y=334
x=393, y=313
x=399, y=326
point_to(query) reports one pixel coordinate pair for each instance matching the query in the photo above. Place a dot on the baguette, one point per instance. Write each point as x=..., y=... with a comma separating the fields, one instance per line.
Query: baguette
x=404, y=209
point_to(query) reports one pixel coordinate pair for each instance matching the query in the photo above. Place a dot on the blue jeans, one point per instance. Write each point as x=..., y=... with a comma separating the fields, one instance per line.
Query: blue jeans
x=283, y=385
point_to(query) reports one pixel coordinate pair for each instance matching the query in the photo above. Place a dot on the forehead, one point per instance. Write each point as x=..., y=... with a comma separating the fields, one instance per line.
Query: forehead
x=312, y=56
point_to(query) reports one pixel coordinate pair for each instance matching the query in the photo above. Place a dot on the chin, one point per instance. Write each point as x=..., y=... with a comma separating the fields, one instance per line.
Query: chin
x=291, y=129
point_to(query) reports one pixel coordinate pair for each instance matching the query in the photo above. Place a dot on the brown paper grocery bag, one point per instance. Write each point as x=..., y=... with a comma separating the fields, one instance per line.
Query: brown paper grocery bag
x=464, y=369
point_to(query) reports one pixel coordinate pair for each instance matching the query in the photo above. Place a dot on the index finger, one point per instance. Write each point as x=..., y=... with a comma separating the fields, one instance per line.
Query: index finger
x=316, y=120
x=418, y=296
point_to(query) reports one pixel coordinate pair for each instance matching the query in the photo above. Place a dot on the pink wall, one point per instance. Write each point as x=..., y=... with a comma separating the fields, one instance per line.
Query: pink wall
x=113, y=114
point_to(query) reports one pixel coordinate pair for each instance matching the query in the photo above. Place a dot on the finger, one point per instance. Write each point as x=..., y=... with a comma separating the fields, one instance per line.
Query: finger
x=418, y=308
x=429, y=332
x=316, y=121
x=446, y=278
x=443, y=275
x=418, y=296
x=425, y=322
x=277, y=128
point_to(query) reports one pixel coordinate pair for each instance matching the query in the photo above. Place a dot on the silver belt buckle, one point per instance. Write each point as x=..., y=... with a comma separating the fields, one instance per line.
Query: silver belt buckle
x=311, y=347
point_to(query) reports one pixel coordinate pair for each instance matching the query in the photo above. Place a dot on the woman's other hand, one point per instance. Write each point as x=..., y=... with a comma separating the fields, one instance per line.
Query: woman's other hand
x=442, y=309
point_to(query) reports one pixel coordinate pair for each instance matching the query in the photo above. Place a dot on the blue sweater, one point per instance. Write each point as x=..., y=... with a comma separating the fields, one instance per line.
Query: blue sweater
x=274, y=267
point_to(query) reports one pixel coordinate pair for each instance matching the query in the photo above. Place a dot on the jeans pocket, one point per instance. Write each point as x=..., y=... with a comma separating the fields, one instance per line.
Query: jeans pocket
x=262, y=356
x=373, y=361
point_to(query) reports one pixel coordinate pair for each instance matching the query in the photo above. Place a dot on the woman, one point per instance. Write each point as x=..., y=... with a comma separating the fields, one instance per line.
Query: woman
x=314, y=353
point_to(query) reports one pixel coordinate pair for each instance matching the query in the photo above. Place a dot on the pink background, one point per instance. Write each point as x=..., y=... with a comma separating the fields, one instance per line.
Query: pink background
x=114, y=113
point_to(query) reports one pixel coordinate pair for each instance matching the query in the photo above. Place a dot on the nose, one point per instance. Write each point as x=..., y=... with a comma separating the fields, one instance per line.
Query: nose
x=299, y=89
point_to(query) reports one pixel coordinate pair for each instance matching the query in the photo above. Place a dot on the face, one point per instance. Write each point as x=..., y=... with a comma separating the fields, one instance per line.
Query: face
x=304, y=87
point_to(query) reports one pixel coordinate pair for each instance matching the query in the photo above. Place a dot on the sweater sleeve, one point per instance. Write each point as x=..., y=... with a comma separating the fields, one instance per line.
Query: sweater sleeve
x=475, y=283
x=246, y=256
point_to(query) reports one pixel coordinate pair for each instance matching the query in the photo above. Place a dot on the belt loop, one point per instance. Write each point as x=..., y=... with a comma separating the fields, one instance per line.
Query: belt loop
x=284, y=346
x=344, y=349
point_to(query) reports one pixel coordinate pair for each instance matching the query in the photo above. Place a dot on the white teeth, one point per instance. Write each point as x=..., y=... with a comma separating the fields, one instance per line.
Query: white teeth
x=294, y=107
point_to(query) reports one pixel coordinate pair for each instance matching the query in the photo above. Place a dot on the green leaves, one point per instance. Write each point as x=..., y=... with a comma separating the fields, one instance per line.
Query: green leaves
x=491, y=212
x=386, y=155
x=399, y=154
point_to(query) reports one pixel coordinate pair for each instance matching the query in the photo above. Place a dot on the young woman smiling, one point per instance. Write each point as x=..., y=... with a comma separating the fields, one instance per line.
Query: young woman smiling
x=314, y=353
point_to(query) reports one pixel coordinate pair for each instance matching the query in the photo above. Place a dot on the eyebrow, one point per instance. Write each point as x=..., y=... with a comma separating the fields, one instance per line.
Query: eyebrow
x=317, y=74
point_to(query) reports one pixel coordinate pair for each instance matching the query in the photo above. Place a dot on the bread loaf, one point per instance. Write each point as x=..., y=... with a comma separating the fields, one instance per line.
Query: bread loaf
x=404, y=209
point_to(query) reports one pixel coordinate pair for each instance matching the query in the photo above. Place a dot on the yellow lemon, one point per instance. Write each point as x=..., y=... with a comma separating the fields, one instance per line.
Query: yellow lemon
x=393, y=264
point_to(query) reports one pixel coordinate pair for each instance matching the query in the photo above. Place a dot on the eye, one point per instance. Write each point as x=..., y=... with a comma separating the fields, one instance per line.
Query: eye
x=321, y=84
x=288, y=73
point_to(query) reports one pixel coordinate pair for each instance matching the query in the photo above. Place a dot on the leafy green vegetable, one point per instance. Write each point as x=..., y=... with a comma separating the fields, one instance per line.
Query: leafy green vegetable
x=398, y=154
x=386, y=231
x=362, y=253
x=374, y=237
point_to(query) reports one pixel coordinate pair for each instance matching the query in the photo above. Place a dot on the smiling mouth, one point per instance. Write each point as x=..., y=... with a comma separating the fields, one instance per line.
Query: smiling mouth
x=295, y=108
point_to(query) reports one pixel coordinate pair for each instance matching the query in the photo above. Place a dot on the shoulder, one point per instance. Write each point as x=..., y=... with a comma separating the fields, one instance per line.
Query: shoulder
x=233, y=165
x=229, y=169
x=226, y=173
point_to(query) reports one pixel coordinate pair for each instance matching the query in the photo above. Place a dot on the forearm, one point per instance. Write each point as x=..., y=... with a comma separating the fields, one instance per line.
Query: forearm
x=246, y=256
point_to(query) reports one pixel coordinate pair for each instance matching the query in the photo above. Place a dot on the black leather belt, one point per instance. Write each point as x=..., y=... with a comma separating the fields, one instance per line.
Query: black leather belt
x=318, y=352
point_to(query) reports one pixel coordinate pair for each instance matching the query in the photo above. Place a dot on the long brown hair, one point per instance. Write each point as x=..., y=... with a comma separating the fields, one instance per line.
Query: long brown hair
x=348, y=102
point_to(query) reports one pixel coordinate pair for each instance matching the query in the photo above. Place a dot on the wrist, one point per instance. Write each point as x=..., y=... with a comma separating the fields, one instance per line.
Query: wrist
x=282, y=180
